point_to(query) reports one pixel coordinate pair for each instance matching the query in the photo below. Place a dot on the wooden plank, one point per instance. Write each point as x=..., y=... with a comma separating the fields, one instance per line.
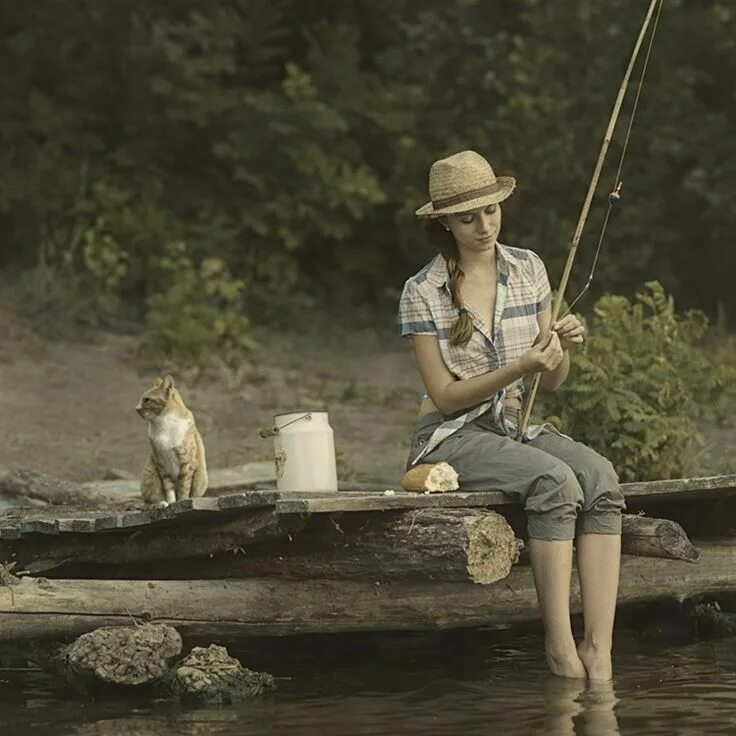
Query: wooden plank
x=247, y=499
x=138, y=518
x=268, y=606
x=646, y=491
x=40, y=526
x=230, y=502
x=76, y=525
x=65, y=520
x=155, y=515
x=73, y=511
x=105, y=523
x=381, y=502
x=680, y=489
x=79, y=519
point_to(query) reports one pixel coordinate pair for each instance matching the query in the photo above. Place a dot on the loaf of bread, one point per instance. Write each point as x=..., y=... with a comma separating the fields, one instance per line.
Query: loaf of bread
x=430, y=478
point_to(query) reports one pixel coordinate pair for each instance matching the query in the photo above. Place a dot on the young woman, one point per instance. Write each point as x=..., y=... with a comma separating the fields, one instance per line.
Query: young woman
x=479, y=317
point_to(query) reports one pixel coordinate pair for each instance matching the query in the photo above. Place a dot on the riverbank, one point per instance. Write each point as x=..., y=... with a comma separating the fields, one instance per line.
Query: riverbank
x=67, y=408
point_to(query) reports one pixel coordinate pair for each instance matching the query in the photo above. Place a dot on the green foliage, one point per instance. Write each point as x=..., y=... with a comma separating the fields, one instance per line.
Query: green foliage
x=639, y=385
x=198, y=314
x=292, y=140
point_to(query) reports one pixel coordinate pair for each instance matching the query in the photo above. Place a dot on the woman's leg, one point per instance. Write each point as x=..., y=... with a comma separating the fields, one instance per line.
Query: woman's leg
x=598, y=547
x=551, y=566
x=551, y=496
x=599, y=558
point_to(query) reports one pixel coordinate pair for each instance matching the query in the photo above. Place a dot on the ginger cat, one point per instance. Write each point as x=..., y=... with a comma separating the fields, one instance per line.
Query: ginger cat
x=176, y=468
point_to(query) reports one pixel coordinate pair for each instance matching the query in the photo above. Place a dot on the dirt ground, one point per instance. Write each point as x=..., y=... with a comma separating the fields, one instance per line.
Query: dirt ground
x=68, y=408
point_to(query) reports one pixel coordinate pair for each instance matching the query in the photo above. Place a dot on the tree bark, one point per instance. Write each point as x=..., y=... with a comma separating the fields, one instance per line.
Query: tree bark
x=457, y=545
x=269, y=606
x=642, y=535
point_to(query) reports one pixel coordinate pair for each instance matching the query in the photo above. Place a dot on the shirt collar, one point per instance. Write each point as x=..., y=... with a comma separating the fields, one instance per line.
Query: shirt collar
x=437, y=274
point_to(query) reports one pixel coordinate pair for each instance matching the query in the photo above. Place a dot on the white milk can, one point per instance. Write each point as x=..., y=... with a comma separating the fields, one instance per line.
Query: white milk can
x=304, y=452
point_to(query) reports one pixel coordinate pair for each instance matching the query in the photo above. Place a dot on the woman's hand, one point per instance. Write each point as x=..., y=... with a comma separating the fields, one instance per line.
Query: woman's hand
x=570, y=330
x=544, y=355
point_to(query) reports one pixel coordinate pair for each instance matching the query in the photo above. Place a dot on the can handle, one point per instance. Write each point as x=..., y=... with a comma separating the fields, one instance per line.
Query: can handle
x=273, y=430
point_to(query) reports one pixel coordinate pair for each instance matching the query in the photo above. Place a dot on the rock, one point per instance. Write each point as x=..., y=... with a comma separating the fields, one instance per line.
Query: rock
x=256, y=473
x=125, y=655
x=118, y=474
x=22, y=486
x=711, y=622
x=665, y=620
x=211, y=675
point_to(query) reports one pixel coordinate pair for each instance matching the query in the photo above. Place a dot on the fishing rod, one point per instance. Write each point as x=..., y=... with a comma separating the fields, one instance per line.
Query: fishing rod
x=613, y=199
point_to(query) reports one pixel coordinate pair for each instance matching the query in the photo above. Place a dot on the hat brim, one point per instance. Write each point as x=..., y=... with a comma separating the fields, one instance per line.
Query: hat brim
x=507, y=184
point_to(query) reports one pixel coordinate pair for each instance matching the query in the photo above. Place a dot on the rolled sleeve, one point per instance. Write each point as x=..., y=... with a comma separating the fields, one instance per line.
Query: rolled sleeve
x=542, y=290
x=415, y=316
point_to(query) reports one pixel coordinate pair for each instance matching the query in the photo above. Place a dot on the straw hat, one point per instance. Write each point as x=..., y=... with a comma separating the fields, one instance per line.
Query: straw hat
x=462, y=182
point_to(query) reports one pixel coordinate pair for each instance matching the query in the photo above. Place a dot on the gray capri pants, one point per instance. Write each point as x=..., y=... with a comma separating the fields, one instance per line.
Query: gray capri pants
x=564, y=486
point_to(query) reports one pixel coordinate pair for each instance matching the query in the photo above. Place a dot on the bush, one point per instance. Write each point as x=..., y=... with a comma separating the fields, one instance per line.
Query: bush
x=198, y=315
x=639, y=384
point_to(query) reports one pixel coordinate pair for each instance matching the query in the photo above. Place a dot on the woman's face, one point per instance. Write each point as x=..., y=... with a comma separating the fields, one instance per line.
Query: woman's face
x=475, y=231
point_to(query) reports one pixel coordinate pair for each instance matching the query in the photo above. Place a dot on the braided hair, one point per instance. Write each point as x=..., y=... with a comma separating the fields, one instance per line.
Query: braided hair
x=462, y=330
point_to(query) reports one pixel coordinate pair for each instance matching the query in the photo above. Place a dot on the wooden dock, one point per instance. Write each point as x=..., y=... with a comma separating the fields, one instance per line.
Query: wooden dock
x=263, y=562
x=56, y=520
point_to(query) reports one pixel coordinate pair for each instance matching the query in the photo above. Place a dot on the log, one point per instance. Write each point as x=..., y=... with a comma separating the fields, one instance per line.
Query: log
x=202, y=537
x=473, y=545
x=642, y=535
x=269, y=606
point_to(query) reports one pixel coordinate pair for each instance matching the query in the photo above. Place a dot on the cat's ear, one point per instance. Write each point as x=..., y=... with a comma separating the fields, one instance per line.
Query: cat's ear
x=158, y=382
x=168, y=384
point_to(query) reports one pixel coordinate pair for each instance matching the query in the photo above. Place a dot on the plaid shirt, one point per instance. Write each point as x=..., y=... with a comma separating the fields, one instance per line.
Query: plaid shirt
x=523, y=291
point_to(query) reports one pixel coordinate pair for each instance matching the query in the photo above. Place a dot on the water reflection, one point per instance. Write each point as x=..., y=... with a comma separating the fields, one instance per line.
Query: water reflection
x=579, y=707
x=195, y=723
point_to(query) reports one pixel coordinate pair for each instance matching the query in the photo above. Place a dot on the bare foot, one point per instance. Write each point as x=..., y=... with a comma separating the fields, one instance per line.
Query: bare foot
x=597, y=661
x=564, y=661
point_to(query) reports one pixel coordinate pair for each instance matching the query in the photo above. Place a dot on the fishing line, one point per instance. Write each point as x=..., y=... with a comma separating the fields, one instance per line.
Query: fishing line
x=615, y=196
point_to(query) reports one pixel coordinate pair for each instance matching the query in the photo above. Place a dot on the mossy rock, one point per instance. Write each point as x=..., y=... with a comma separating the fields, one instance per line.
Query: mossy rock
x=125, y=655
x=211, y=675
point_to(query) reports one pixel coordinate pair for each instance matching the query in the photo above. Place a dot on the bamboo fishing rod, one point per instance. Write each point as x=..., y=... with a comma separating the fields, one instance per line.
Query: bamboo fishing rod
x=586, y=207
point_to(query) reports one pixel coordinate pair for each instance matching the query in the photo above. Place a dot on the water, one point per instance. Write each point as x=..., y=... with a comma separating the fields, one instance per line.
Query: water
x=464, y=682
